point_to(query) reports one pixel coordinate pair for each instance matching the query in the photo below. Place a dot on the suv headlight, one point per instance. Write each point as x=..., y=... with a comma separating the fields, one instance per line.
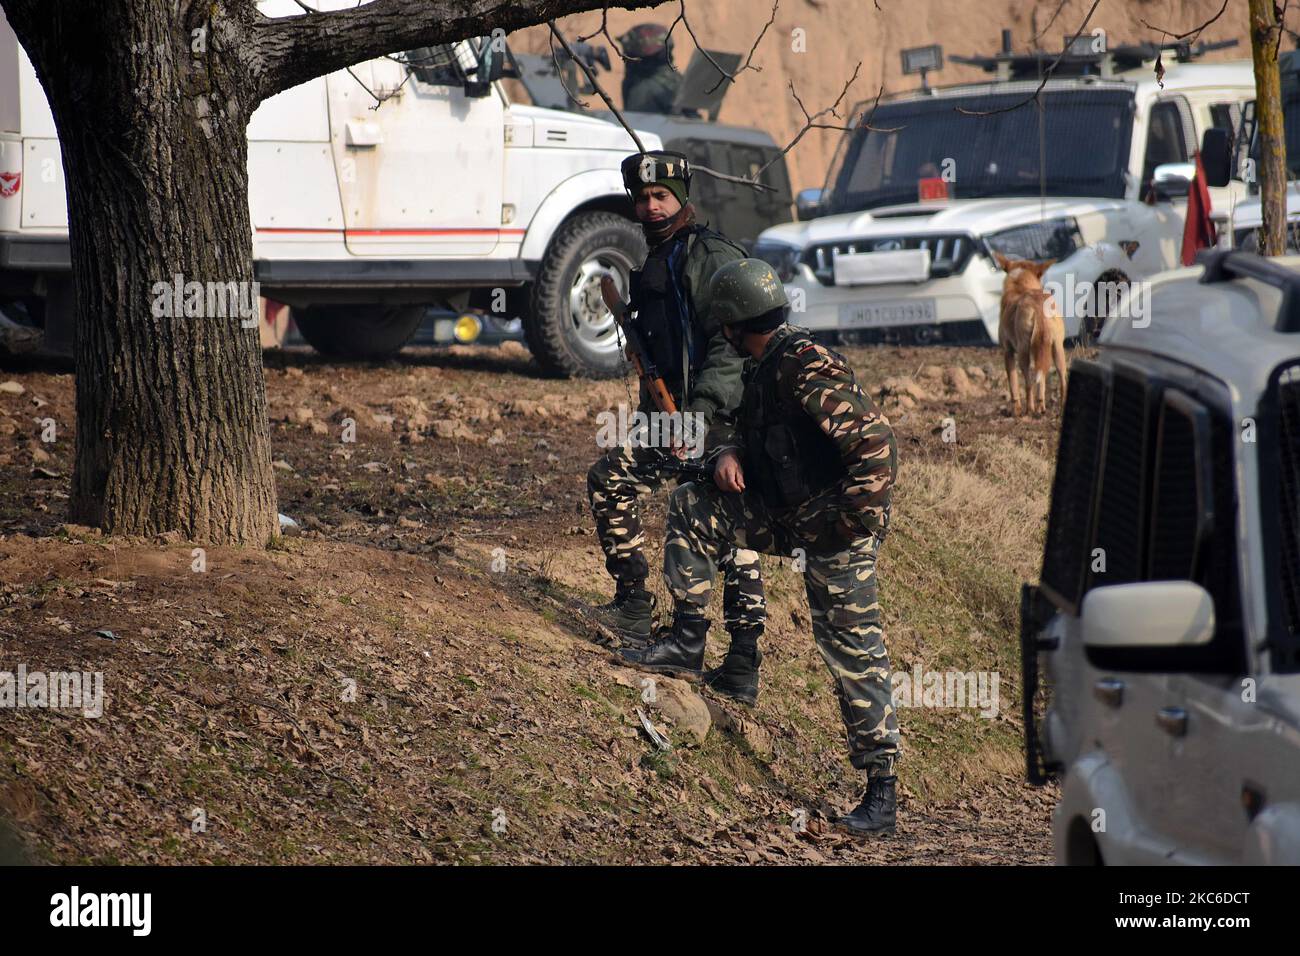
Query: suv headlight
x=1051, y=239
x=780, y=257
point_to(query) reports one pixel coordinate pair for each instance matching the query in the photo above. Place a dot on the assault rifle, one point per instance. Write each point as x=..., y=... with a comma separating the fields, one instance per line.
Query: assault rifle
x=636, y=350
x=693, y=469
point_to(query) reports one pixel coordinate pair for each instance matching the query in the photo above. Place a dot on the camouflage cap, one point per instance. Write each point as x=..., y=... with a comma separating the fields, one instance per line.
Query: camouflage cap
x=745, y=289
x=663, y=166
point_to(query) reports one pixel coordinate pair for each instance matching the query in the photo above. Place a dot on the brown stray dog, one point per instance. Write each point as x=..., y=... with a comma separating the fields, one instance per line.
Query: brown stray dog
x=1030, y=332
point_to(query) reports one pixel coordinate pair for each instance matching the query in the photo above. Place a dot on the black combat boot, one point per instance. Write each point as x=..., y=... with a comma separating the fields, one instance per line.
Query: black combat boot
x=737, y=678
x=630, y=614
x=678, y=651
x=875, y=814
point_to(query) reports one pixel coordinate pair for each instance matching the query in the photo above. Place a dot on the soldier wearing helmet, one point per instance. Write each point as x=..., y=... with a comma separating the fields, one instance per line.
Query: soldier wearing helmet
x=650, y=83
x=804, y=467
x=670, y=296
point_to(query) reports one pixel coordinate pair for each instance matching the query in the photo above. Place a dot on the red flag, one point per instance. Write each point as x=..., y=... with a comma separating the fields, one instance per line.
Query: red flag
x=1198, y=231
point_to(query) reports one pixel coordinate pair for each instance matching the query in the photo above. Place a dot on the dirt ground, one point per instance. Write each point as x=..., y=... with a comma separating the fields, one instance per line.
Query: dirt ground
x=411, y=678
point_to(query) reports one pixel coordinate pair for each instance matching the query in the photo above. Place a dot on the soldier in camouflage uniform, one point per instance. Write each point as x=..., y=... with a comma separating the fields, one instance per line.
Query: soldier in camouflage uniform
x=650, y=83
x=805, y=467
x=700, y=370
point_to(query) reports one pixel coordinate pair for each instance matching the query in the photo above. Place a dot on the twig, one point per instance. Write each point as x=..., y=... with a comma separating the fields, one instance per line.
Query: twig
x=591, y=78
x=1033, y=97
x=810, y=120
x=1195, y=33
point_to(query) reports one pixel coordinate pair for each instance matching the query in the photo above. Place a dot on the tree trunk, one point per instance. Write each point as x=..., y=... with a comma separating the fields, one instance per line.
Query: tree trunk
x=171, y=408
x=151, y=99
x=1265, y=32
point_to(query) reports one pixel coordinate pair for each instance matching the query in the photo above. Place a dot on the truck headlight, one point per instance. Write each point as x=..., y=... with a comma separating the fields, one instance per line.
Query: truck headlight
x=780, y=257
x=1050, y=239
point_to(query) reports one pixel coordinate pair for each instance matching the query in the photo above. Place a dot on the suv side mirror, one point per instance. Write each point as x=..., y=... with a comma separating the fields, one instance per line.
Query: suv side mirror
x=1216, y=156
x=1153, y=614
x=807, y=204
x=1170, y=180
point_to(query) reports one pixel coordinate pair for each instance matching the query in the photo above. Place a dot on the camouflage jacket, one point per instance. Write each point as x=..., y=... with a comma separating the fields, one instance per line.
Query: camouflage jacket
x=651, y=91
x=820, y=385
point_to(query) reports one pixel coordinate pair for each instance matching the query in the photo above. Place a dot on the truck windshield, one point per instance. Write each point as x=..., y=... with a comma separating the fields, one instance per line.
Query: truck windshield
x=1085, y=138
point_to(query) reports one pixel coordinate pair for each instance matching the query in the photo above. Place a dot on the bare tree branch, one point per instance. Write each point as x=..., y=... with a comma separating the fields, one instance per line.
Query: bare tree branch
x=1193, y=33
x=810, y=121
x=591, y=78
x=284, y=51
x=1037, y=37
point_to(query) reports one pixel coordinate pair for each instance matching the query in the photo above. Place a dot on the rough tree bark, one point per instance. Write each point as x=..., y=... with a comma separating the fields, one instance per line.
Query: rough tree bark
x=152, y=99
x=1265, y=32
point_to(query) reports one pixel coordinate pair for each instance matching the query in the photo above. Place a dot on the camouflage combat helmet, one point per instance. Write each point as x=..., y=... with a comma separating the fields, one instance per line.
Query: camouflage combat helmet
x=744, y=290
x=646, y=40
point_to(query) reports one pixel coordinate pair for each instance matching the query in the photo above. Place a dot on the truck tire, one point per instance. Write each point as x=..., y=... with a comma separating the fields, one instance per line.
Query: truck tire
x=365, y=332
x=568, y=328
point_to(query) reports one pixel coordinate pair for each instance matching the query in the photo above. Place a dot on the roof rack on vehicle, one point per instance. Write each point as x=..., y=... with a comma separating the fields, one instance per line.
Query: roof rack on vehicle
x=1224, y=265
x=1082, y=60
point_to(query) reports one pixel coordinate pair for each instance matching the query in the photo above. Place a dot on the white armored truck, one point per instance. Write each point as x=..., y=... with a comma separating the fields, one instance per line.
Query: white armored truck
x=363, y=216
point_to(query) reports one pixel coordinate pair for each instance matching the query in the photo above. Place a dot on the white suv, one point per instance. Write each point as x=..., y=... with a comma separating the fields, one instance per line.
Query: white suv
x=1167, y=614
x=1107, y=201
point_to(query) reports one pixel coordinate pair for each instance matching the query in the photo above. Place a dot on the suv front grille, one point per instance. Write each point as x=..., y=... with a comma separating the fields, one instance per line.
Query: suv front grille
x=1069, y=526
x=948, y=254
x=1288, y=393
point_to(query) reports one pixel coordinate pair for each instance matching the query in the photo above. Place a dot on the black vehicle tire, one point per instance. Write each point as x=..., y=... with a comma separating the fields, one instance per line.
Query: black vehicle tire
x=567, y=326
x=359, y=332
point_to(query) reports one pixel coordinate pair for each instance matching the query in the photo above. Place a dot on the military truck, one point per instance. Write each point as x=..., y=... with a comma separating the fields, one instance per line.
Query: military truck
x=1161, y=645
x=691, y=127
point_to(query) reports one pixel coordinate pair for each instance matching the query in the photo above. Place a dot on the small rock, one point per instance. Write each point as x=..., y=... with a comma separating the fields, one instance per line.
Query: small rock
x=11, y=388
x=957, y=381
x=512, y=349
x=282, y=465
x=303, y=414
x=683, y=707
x=529, y=408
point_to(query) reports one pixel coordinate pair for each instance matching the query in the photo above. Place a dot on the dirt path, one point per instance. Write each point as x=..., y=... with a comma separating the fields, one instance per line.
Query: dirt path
x=408, y=679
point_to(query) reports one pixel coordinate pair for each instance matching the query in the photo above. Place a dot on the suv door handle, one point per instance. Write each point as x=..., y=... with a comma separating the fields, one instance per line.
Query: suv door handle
x=1172, y=720
x=1109, y=691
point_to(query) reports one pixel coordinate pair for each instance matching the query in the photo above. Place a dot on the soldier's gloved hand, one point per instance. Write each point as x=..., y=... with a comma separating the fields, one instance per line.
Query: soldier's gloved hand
x=727, y=474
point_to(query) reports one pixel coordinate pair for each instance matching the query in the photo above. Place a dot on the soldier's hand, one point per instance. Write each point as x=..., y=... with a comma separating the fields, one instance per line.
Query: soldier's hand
x=728, y=475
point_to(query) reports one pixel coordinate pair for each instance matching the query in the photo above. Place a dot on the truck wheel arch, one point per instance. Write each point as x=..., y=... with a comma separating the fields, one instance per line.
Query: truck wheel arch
x=599, y=190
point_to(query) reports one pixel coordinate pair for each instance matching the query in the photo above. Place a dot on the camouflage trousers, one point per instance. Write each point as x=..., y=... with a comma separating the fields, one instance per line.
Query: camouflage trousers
x=704, y=522
x=615, y=483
